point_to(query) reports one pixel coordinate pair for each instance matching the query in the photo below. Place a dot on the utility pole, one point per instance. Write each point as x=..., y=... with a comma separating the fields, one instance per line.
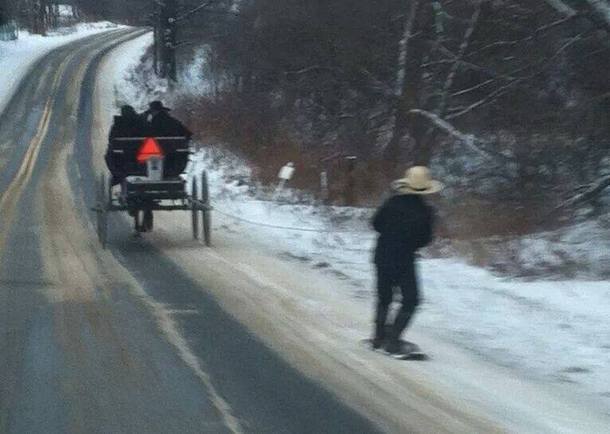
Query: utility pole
x=166, y=21
x=165, y=39
x=36, y=14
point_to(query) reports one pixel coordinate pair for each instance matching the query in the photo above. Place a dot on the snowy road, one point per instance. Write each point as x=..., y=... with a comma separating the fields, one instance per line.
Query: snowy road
x=82, y=347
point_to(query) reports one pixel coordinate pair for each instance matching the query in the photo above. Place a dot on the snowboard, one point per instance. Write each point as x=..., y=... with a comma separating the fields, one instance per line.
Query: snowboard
x=411, y=351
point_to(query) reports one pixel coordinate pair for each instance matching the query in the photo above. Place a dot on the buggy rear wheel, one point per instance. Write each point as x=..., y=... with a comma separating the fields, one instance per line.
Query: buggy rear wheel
x=207, y=210
x=195, y=210
x=102, y=205
x=207, y=227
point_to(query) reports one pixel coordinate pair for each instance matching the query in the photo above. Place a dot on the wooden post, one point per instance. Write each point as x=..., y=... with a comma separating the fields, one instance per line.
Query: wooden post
x=324, y=186
x=350, y=183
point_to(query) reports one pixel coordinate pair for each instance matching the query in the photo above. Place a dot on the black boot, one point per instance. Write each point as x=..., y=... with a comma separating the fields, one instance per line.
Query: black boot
x=392, y=343
x=377, y=343
x=379, y=337
x=147, y=220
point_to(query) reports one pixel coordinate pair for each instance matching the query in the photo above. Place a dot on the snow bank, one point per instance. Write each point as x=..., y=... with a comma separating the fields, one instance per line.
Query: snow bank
x=579, y=251
x=120, y=75
x=18, y=56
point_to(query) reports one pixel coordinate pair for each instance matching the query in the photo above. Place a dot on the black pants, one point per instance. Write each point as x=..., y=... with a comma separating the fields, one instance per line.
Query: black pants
x=388, y=278
x=117, y=173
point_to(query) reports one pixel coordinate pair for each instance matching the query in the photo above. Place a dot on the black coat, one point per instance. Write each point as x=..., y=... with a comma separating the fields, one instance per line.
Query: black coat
x=405, y=224
x=123, y=126
x=128, y=127
x=163, y=125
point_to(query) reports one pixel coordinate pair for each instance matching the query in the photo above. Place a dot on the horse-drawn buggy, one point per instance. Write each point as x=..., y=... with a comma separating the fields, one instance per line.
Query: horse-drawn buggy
x=150, y=172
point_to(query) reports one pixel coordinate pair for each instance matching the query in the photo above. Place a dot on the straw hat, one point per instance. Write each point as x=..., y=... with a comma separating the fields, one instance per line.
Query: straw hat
x=417, y=180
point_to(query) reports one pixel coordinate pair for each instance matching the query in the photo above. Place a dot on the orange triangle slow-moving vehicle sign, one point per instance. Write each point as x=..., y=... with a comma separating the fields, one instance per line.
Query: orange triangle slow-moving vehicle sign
x=150, y=148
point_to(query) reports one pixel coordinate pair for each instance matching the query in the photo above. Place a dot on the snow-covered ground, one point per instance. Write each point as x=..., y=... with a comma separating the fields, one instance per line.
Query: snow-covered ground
x=552, y=332
x=576, y=252
x=556, y=330
x=19, y=56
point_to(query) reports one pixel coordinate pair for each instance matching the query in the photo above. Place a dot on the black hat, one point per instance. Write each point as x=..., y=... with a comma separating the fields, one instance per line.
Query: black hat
x=157, y=106
x=128, y=111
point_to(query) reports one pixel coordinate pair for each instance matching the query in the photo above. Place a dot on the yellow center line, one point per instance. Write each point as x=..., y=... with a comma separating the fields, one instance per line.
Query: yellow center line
x=10, y=197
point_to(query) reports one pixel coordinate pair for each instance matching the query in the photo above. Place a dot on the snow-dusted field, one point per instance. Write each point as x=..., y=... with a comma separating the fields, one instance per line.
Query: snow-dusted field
x=18, y=56
x=553, y=333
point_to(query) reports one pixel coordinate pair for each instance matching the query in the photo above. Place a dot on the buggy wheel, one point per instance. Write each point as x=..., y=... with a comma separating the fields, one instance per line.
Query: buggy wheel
x=102, y=205
x=207, y=227
x=205, y=191
x=195, y=210
x=207, y=210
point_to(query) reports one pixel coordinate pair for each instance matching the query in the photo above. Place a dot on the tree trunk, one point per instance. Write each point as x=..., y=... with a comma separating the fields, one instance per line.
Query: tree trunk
x=399, y=120
x=408, y=86
x=426, y=145
x=474, y=19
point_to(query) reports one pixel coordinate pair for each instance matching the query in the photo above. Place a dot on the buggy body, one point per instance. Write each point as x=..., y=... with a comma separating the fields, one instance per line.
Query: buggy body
x=150, y=171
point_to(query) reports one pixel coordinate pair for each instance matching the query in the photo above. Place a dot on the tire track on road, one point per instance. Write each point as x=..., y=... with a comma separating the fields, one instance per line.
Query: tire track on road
x=70, y=360
x=10, y=197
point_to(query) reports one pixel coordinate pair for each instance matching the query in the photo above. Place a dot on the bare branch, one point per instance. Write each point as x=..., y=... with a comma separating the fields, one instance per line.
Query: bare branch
x=561, y=7
x=489, y=98
x=377, y=84
x=535, y=33
x=592, y=191
x=473, y=88
x=468, y=139
x=541, y=67
x=203, y=6
x=464, y=63
x=461, y=52
x=403, y=48
x=314, y=68
x=602, y=8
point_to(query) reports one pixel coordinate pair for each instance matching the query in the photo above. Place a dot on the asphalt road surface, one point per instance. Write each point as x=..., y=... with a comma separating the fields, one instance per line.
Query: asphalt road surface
x=80, y=351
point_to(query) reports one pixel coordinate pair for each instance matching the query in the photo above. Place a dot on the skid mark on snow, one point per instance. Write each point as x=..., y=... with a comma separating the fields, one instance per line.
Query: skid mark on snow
x=575, y=370
x=292, y=256
x=176, y=312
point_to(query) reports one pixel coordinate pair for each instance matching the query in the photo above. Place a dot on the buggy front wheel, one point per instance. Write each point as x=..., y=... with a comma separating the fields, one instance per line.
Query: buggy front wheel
x=207, y=210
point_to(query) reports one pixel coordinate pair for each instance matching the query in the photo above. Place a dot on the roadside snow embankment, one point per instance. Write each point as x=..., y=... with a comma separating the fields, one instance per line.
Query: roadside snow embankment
x=17, y=57
x=118, y=76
